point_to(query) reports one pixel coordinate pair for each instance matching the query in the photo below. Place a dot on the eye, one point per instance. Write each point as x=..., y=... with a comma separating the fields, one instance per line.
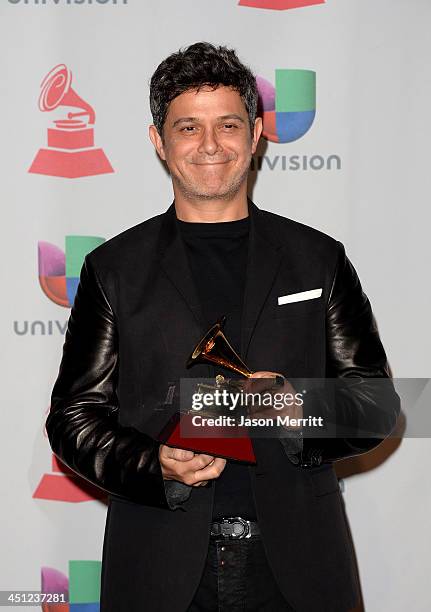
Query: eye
x=229, y=125
x=188, y=129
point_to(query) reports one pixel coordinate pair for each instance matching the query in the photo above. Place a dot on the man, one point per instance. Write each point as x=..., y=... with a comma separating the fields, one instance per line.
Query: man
x=145, y=298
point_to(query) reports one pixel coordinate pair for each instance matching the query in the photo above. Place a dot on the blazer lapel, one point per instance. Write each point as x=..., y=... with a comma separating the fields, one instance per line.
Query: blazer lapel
x=173, y=259
x=264, y=257
x=263, y=261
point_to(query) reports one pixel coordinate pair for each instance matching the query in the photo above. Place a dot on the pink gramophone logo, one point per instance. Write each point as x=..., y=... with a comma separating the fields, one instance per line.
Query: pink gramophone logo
x=71, y=152
x=279, y=5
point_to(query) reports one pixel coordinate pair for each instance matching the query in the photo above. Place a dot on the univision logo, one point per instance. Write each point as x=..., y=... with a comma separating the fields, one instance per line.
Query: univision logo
x=279, y=5
x=288, y=108
x=59, y=273
x=79, y=590
x=59, y=270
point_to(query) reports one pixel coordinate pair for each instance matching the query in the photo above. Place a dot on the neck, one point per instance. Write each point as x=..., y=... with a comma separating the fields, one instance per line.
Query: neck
x=211, y=211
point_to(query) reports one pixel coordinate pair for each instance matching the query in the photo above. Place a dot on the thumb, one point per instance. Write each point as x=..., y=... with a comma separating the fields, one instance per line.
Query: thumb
x=181, y=454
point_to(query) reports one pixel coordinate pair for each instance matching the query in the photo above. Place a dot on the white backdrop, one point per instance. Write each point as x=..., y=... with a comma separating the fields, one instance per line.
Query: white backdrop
x=371, y=60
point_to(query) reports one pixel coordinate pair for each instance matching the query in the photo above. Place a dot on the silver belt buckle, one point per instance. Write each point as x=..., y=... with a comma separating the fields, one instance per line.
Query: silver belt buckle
x=233, y=521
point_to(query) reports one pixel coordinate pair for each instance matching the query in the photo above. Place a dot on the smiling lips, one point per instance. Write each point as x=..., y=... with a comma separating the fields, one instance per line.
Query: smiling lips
x=214, y=163
x=211, y=164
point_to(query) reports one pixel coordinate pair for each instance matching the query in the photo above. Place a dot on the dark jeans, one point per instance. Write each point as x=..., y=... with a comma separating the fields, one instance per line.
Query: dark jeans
x=237, y=578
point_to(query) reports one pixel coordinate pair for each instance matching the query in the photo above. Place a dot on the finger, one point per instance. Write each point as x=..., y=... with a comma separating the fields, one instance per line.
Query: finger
x=263, y=374
x=259, y=385
x=211, y=471
x=262, y=381
x=259, y=379
x=186, y=470
x=279, y=380
x=206, y=458
x=178, y=454
x=182, y=454
x=200, y=462
x=200, y=484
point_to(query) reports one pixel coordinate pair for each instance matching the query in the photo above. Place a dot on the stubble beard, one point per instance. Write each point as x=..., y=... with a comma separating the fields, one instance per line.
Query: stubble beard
x=193, y=192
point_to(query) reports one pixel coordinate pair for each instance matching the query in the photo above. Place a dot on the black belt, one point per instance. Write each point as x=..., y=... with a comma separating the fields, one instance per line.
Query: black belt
x=233, y=528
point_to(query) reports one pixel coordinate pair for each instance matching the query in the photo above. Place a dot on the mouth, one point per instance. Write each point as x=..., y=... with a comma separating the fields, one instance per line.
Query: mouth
x=218, y=163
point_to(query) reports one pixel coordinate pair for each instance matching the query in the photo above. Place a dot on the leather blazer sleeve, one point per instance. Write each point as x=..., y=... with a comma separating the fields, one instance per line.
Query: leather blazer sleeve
x=365, y=399
x=82, y=424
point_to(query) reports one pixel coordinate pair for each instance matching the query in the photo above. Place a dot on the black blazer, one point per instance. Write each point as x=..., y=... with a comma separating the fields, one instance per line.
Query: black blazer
x=134, y=321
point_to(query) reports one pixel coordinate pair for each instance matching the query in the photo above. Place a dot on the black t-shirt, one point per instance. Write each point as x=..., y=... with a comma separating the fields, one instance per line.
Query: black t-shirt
x=217, y=254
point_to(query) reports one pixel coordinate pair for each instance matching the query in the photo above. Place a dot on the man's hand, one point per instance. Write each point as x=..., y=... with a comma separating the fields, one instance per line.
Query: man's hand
x=291, y=408
x=191, y=468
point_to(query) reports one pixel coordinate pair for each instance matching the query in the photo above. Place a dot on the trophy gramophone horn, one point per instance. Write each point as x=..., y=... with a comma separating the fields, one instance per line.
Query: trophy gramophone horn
x=214, y=348
x=57, y=91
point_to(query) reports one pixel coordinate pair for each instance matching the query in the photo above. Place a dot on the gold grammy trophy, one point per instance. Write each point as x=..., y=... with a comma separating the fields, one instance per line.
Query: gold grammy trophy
x=215, y=349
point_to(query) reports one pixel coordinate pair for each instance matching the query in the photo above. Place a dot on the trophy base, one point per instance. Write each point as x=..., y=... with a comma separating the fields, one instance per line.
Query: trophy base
x=236, y=448
x=71, y=164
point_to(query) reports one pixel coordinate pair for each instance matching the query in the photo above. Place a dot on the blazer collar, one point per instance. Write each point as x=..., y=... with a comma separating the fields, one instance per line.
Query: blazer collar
x=264, y=256
x=173, y=259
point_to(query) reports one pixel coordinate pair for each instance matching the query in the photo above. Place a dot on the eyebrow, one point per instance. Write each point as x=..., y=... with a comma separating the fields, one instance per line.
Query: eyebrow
x=191, y=119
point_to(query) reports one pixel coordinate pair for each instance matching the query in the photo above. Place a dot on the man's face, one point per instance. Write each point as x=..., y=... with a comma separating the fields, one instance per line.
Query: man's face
x=207, y=143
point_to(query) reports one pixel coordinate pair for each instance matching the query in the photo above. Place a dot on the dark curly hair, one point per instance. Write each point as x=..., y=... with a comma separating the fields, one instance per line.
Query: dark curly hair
x=200, y=64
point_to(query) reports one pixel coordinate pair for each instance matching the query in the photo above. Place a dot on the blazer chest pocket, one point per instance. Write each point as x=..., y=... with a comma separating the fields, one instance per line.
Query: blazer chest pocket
x=298, y=309
x=324, y=481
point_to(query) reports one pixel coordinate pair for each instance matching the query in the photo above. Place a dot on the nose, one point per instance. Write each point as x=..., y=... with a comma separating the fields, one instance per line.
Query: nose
x=209, y=143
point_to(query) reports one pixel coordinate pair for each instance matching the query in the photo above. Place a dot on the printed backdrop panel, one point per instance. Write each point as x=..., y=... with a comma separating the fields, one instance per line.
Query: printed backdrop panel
x=345, y=92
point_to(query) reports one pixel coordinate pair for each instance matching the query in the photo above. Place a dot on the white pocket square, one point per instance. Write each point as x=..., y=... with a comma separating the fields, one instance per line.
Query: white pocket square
x=299, y=297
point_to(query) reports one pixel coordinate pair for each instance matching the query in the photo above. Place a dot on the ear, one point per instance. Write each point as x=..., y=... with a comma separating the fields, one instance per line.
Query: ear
x=156, y=139
x=258, y=126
